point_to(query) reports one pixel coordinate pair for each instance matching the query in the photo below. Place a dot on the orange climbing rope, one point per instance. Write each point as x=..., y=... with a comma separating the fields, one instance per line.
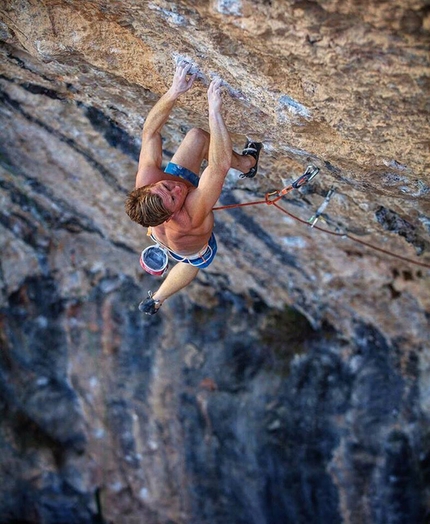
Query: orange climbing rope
x=272, y=198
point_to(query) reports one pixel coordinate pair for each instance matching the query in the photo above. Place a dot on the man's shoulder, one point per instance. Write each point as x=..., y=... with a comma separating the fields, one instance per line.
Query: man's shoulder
x=194, y=205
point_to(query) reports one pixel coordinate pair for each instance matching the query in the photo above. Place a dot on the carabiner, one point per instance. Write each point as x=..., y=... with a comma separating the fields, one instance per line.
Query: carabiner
x=270, y=194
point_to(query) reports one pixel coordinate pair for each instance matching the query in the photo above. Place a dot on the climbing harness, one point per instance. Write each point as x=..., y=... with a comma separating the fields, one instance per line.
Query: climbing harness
x=310, y=173
x=155, y=259
x=196, y=260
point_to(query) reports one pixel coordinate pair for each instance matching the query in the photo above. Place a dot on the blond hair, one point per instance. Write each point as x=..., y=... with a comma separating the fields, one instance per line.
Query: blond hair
x=146, y=208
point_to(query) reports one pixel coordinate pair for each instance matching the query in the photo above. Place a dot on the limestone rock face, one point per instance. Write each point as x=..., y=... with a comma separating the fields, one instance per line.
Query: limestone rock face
x=290, y=383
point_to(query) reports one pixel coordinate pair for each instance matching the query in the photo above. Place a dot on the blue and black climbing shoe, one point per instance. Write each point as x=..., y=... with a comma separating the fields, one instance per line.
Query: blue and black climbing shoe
x=253, y=149
x=149, y=306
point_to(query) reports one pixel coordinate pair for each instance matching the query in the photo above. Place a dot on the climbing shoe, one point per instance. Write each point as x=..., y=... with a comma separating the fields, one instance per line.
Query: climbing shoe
x=149, y=306
x=253, y=149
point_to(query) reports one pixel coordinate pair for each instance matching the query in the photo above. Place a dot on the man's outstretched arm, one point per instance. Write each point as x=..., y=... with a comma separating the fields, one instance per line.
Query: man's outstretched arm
x=201, y=201
x=151, y=150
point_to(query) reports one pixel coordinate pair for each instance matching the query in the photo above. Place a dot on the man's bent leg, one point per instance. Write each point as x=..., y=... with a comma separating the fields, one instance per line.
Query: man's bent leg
x=194, y=149
x=178, y=277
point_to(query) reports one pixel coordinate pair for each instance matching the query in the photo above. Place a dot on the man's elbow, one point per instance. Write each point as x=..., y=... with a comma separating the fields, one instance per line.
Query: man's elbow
x=149, y=134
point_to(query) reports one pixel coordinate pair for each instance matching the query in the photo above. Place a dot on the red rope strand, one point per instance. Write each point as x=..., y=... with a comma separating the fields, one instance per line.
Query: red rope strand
x=333, y=233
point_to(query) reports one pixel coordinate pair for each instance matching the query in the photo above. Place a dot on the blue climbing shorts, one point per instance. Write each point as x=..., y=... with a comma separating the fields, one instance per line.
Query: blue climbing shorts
x=182, y=172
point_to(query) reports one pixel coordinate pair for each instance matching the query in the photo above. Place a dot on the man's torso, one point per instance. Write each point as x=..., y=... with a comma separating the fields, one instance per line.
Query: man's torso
x=178, y=234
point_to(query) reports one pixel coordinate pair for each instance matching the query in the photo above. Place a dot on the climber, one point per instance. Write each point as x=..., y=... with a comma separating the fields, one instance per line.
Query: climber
x=175, y=204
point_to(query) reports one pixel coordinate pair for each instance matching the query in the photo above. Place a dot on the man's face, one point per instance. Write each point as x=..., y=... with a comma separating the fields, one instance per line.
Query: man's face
x=172, y=193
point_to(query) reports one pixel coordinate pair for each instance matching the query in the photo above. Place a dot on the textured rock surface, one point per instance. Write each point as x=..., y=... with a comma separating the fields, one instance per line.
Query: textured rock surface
x=290, y=383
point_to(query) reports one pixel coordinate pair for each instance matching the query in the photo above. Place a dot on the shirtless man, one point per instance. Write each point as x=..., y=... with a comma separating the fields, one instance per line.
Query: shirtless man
x=175, y=203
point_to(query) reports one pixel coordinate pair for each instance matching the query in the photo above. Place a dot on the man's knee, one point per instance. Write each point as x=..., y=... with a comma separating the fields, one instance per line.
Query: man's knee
x=198, y=134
